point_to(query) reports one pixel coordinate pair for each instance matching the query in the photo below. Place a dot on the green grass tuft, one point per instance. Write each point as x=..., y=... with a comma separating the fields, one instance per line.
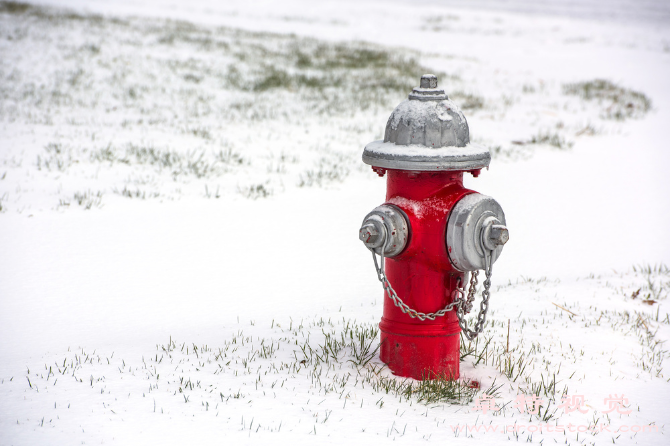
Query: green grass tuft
x=617, y=102
x=14, y=7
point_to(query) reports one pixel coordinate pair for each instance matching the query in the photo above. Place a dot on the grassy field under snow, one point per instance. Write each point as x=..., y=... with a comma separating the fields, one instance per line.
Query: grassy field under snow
x=179, y=202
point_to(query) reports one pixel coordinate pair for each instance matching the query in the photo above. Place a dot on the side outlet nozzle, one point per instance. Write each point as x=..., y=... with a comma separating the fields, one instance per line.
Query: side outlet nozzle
x=476, y=228
x=385, y=228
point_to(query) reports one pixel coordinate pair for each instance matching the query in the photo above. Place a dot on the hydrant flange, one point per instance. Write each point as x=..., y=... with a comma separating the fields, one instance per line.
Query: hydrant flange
x=477, y=223
x=385, y=228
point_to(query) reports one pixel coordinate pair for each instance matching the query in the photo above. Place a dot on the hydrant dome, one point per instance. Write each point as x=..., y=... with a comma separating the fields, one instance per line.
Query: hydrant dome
x=427, y=132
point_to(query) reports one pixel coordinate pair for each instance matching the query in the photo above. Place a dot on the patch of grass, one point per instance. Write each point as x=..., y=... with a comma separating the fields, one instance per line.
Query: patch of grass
x=229, y=156
x=329, y=169
x=137, y=193
x=106, y=154
x=588, y=130
x=528, y=88
x=255, y=191
x=199, y=131
x=204, y=81
x=616, y=102
x=212, y=194
x=352, y=58
x=278, y=164
x=356, y=56
x=466, y=101
x=315, y=76
x=87, y=200
x=657, y=282
x=14, y=7
x=352, y=67
x=439, y=23
x=163, y=159
x=435, y=390
x=54, y=16
x=333, y=377
x=359, y=71
x=518, y=367
x=551, y=139
x=272, y=78
x=358, y=345
x=195, y=163
x=57, y=158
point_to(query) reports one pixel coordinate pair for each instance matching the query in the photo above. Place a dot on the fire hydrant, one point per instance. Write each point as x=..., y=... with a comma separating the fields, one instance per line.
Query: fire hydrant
x=430, y=234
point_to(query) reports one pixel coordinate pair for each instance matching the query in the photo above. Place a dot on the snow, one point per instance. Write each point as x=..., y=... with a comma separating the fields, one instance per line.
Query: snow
x=251, y=203
x=415, y=150
x=418, y=112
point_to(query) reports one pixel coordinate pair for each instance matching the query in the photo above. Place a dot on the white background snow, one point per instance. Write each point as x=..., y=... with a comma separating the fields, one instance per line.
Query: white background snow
x=264, y=237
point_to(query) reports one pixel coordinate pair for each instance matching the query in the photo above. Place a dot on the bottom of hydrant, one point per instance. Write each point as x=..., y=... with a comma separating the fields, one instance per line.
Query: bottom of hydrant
x=421, y=357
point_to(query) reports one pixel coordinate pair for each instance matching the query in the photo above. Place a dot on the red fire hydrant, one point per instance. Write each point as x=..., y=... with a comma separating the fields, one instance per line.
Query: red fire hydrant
x=431, y=234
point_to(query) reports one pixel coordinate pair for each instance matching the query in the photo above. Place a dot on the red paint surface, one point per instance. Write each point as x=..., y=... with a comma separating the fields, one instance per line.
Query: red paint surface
x=423, y=277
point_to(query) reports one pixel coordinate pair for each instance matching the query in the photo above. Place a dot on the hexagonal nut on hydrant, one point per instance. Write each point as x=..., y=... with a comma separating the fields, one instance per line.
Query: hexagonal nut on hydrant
x=499, y=235
x=369, y=234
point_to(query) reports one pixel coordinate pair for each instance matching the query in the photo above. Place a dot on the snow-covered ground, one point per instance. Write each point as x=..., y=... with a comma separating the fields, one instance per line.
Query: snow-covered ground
x=181, y=190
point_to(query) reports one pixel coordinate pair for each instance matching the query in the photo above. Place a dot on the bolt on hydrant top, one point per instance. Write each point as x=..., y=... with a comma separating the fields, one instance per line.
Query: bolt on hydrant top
x=427, y=132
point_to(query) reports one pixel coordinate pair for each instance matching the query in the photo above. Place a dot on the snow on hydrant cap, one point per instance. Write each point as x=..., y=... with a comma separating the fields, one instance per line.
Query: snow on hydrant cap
x=427, y=132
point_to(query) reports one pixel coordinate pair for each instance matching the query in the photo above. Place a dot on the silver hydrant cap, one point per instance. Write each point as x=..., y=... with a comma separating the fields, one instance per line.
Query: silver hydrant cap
x=427, y=132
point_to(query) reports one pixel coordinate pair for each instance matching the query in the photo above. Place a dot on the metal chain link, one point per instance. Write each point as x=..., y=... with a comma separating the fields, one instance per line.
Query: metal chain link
x=483, y=307
x=397, y=301
x=463, y=305
x=471, y=292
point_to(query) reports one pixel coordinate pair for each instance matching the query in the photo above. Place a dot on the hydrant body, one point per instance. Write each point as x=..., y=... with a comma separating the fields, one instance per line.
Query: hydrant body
x=424, y=276
x=428, y=232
